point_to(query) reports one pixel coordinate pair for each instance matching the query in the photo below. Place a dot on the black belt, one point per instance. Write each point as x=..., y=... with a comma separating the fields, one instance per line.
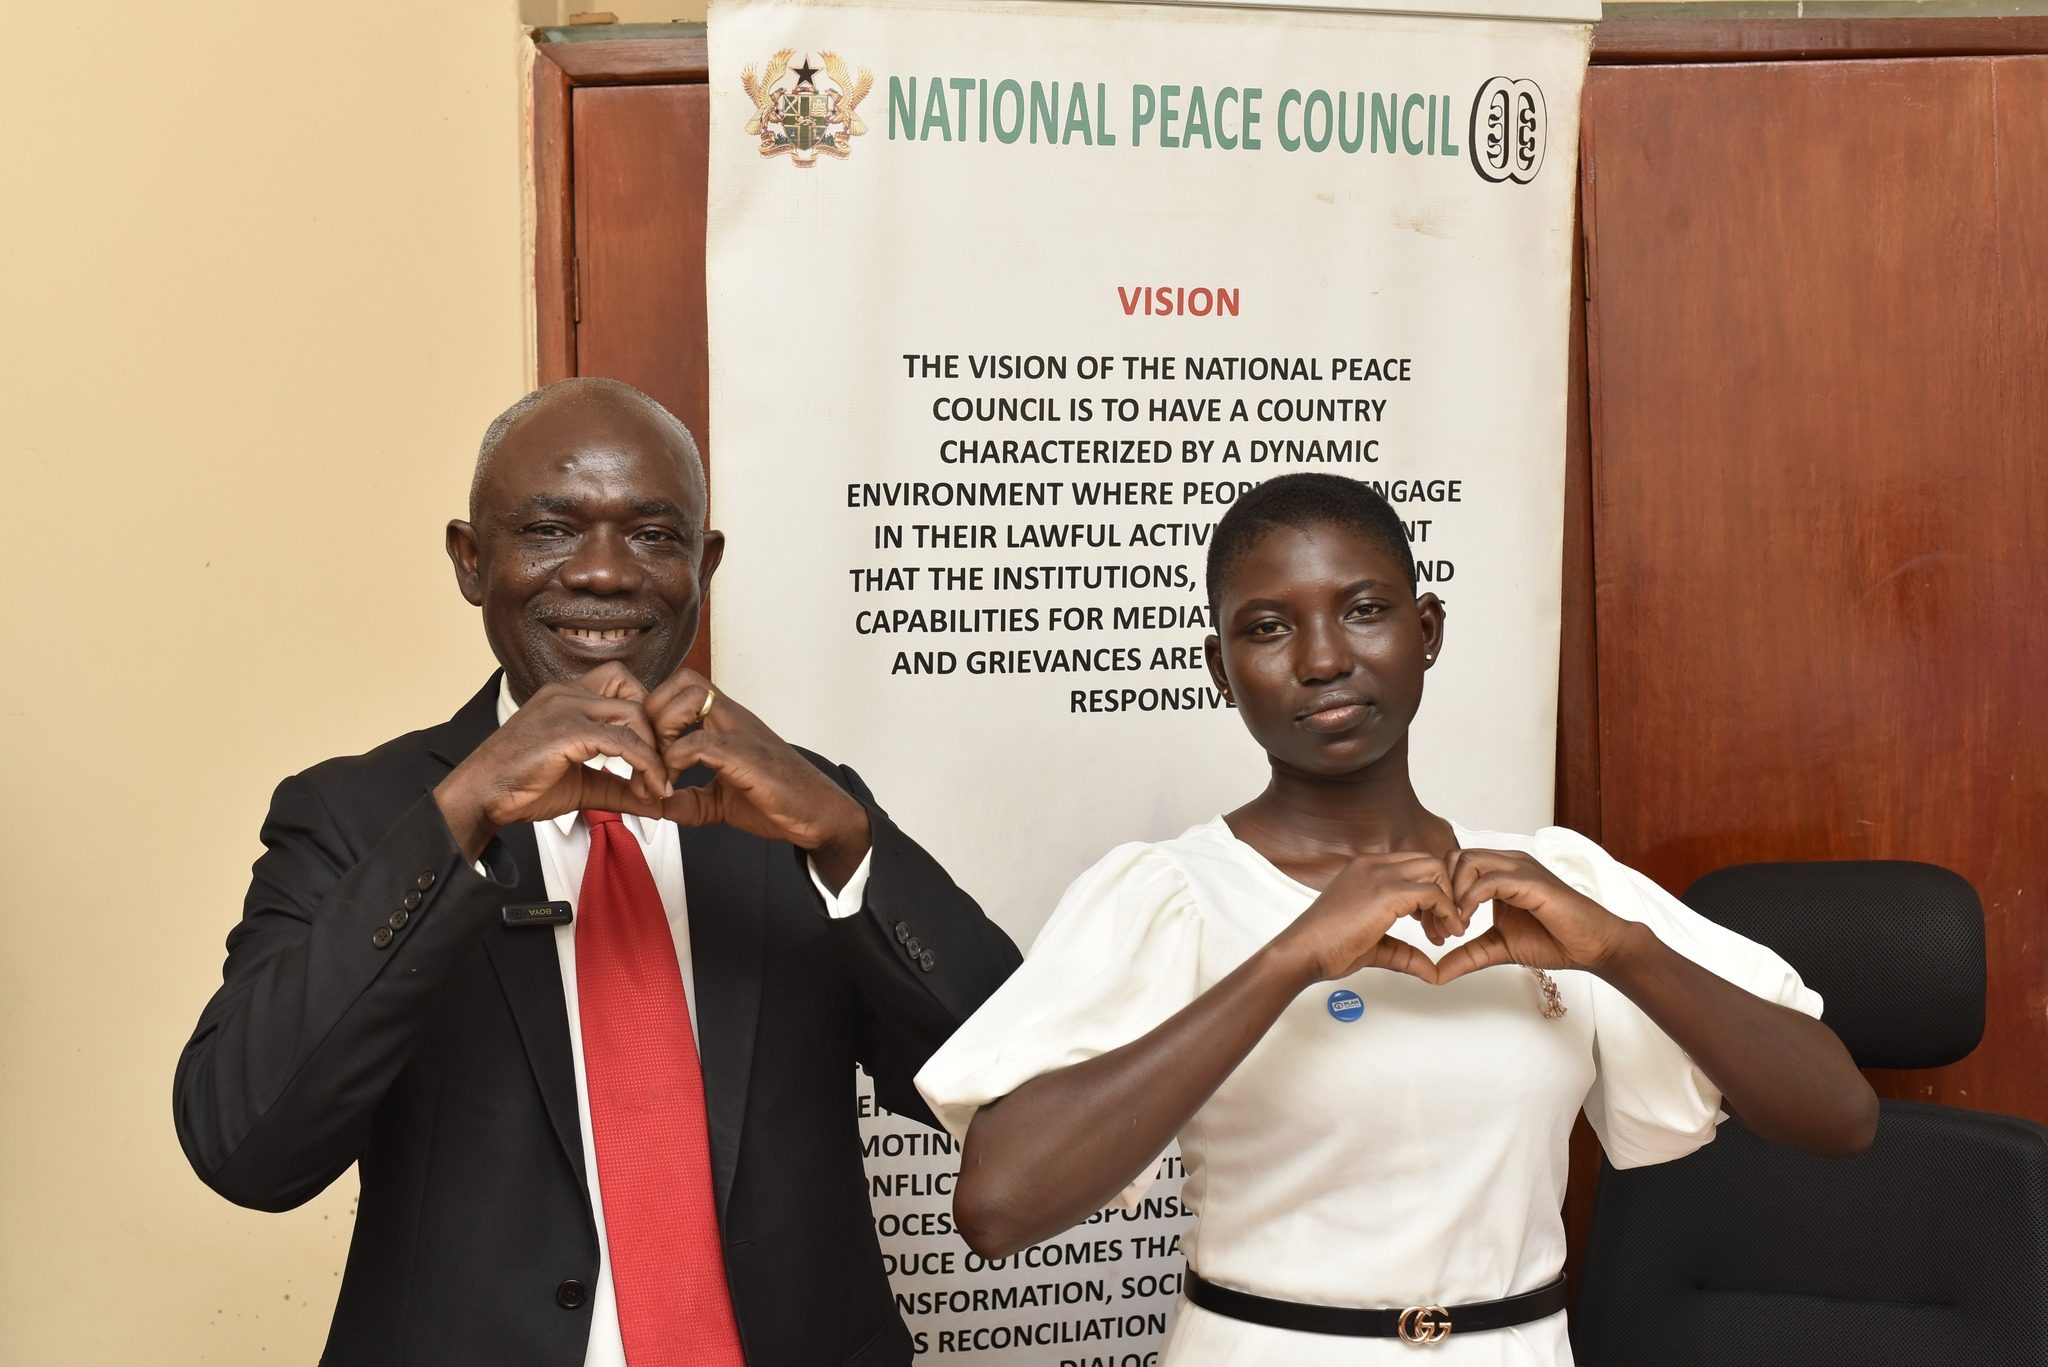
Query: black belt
x=1416, y=1324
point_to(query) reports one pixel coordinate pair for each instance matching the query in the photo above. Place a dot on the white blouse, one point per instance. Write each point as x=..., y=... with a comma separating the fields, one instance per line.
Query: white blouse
x=1415, y=1154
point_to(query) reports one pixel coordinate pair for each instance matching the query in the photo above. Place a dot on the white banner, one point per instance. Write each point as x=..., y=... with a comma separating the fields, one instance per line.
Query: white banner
x=1009, y=301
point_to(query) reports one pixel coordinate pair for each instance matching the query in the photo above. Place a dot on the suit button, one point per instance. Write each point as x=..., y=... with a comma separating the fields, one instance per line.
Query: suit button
x=925, y=961
x=914, y=946
x=399, y=918
x=411, y=901
x=902, y=931
x=569, y=1295
x=381, y=937
x=424, y=881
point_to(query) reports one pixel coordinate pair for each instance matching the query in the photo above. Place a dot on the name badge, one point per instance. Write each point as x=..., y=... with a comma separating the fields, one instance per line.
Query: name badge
x=536, y=914
x=1346, y=1006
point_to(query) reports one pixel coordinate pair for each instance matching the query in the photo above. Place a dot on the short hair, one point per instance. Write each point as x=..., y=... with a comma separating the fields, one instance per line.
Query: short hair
x=580, y=387
x=1302, y=500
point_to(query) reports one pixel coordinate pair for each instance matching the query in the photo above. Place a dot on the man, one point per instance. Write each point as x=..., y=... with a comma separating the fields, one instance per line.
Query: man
x=579, y=977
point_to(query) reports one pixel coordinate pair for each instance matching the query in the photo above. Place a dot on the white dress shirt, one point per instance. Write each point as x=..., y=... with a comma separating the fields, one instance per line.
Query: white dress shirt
x=564, y=850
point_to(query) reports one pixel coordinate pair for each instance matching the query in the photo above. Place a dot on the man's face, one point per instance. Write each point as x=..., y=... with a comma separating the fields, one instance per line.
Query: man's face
x=587, y=545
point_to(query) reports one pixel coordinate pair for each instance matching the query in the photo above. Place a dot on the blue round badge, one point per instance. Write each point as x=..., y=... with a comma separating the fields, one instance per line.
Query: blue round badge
x=1346, y=1005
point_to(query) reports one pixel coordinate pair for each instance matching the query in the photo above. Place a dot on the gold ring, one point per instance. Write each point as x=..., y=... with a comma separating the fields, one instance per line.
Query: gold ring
x=710, y=697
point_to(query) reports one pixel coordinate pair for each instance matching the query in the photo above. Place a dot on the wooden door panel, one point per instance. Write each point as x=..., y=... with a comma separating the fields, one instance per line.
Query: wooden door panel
x=1817, y=340
x=642, y=157
x=641, y=161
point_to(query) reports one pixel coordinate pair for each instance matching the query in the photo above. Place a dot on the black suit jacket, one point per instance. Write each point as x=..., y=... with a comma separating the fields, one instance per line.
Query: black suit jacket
x=375, y=1010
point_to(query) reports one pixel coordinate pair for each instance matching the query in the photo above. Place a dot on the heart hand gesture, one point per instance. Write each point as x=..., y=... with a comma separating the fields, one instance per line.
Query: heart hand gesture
x=1538, y=921
x=759, y=783
x=1345, y=929
x=535, y=767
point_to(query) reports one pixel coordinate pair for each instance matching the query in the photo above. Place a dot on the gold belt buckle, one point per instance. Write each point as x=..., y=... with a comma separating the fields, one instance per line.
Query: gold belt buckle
x=1424, y=1324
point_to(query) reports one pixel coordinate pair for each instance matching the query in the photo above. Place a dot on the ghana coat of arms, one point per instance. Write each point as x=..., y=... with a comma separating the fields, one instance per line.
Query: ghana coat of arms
x=800, y=116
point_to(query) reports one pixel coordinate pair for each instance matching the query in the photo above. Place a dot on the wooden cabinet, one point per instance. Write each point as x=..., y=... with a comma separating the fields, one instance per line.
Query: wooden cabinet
x=1806, y=590
x=1817, y=356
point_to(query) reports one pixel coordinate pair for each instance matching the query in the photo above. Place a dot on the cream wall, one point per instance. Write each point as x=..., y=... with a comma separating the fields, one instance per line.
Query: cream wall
x=263, y=285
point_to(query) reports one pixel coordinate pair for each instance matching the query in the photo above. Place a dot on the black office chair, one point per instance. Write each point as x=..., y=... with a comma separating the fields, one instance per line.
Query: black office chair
x=1930, y=1248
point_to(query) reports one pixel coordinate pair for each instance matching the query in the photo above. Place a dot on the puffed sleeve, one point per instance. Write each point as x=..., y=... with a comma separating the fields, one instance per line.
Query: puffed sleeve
x=1650, y=1103
x=1120, y=954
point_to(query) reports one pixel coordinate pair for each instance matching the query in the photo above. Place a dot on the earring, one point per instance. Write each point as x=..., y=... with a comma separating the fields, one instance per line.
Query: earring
x=1427, y=658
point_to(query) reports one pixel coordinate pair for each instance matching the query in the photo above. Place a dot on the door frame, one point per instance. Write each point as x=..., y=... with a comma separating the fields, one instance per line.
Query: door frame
x=563, y=61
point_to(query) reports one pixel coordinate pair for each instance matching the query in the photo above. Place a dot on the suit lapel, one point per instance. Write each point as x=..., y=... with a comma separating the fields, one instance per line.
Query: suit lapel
x=527, y=966
x=724, y=874
x=530, y=971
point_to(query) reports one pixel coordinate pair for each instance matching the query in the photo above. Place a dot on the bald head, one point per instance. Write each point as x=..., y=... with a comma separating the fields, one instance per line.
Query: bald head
x=586, y=540
x=585, y=403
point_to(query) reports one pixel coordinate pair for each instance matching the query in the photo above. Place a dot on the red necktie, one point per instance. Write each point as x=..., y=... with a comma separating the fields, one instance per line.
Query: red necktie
x=647, y=1116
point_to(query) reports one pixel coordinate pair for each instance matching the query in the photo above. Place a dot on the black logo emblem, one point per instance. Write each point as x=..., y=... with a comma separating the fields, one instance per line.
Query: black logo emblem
x=519, y=914
x=1509, y=129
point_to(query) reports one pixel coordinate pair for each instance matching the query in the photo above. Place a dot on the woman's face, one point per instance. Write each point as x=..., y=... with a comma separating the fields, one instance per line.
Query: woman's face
x=1322, y=645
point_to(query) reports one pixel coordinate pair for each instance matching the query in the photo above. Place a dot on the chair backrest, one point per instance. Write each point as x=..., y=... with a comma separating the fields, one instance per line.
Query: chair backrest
x=1895, y=949
x=1932, y=1247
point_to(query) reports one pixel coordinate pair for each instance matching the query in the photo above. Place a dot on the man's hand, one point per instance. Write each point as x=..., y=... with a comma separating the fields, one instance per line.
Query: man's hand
x=1345, y=929
x=533, y=767
x=759, y=784
x=1538, y=921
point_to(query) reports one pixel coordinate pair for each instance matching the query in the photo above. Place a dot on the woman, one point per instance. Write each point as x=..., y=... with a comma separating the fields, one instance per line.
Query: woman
x=1370, y=1122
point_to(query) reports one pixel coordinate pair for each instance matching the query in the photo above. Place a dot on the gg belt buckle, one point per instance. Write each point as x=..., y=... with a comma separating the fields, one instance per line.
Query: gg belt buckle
x=1424, y=1324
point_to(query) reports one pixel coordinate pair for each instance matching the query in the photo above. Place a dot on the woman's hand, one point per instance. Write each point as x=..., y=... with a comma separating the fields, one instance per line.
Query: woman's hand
x=1345, y=929
x=1538, y=921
